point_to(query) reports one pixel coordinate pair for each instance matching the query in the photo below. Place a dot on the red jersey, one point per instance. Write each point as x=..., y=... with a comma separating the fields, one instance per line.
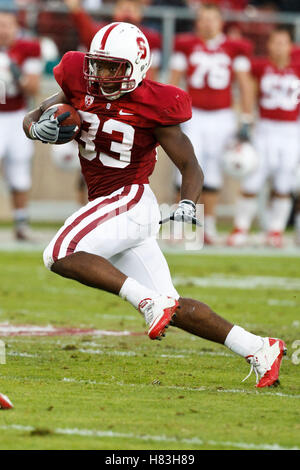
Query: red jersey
x=117, y=145
x=26, y=55
x=278, y=90
x=226, y=4
x=209, y=68
x=295, y=56
x=87, y=28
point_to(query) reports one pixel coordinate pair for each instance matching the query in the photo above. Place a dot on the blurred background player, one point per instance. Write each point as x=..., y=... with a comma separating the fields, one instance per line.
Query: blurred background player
x=20, y=69
x=210, y=63
x=129, y=11
x=276, y=140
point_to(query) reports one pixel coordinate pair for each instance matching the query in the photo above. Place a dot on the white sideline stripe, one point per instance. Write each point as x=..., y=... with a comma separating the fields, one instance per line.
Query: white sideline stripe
x=18, y=354
x=6, y=329
x=177, y=387
x=235, y=282
x=134, y=353
x=161, y=386
x=149, y=437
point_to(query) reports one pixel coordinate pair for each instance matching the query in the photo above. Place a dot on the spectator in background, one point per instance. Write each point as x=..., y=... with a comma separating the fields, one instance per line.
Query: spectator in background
x=210, y=63
x=223, y=4
x=20, y=69
x=280, y=5
x=181, y=25
x=129, y=11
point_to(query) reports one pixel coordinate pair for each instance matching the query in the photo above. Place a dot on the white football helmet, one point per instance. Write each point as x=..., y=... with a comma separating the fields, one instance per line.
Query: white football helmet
x=240, y=160
x=118, y=60
x=65, y=156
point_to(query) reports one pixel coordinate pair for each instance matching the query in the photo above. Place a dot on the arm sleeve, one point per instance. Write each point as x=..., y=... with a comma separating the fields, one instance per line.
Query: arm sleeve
x=178, y=108
x=241, y=62
x=60, y=74
x=32, y=64
x=178, y=59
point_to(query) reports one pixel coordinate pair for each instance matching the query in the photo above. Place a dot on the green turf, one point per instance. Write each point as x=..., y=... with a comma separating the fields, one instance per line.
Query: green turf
x=132, y=393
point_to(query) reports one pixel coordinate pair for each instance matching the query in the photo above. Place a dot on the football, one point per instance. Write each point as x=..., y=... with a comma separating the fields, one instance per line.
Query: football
x=73, y=119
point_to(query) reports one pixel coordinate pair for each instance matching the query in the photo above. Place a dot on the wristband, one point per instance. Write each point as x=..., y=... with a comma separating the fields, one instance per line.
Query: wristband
x=188, y=201
x=31, y=132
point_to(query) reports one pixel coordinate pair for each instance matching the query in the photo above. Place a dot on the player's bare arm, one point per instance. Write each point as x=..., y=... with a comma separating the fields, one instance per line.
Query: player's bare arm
x=30, y=84
x=247, y=98
x=176, y=76
x=180, y=150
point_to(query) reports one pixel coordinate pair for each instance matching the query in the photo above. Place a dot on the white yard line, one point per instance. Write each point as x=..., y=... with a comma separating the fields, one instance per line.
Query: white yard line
x=71, y=380
x=239, y=282
x=6, y=329
x=184, y=389
x=196, y=441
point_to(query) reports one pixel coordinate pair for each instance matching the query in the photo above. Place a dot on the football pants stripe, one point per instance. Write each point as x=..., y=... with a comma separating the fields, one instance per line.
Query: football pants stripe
x=98, y=211
x=95, y=223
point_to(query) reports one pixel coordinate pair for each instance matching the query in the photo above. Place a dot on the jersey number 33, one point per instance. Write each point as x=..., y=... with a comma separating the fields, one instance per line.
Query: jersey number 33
x=89, y=151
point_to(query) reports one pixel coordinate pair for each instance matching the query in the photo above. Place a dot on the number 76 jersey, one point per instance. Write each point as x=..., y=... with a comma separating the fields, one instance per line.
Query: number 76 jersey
x=117, y=145
x=209, y=67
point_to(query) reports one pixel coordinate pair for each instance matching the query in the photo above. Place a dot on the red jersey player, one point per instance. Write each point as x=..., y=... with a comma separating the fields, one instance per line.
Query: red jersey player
x=129, y=11
x=20, y=69
x=210, y=62
x=110, y=243
x=276, y=139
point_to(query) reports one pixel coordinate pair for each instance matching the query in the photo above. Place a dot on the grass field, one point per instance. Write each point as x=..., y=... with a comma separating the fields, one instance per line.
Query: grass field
x=126, y=392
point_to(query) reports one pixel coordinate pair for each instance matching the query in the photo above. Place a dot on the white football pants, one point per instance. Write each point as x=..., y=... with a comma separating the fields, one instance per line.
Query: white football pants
x=210, y=132
x=278, y=146
x=122, y=228
x=16, y=150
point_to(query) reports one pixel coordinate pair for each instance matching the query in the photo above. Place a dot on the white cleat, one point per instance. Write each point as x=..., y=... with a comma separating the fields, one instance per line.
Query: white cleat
x=158, y=313
x=266, y=362
x=237, y=238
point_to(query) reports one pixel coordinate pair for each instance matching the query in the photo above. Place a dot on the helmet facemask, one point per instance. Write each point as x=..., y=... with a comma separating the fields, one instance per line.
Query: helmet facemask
x=107, y=76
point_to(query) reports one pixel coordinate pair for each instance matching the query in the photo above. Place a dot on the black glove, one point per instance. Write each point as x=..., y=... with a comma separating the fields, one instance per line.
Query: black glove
x=244, y=132
x=15, y=70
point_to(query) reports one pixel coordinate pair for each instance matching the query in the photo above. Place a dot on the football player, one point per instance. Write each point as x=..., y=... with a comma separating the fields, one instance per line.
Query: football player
x=110, y=244
x=20, y=69
x=276, y=140
x=129, y=11
x=210, y=62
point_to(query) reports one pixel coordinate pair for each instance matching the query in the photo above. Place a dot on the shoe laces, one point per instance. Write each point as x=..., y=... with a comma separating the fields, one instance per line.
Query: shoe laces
x=255, y=365
x=147, y=310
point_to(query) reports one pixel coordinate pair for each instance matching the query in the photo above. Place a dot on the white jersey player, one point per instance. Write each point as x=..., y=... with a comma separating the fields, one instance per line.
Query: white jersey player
x=20, y=68
x=276, y=140
x=210, y=63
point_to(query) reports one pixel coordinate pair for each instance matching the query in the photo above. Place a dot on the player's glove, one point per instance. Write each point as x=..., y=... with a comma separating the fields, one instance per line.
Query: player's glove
x=185, y=212
x=244, y=132
x=15, y=71
x=48, y=130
